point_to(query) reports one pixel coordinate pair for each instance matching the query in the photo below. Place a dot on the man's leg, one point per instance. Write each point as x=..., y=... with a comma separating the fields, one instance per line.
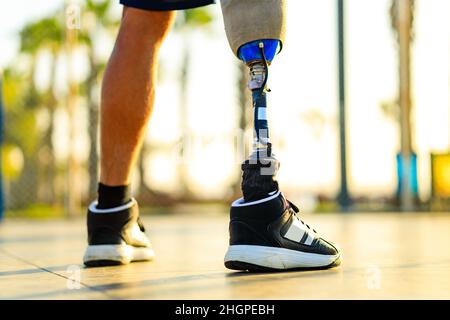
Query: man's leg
x=115, y=234
x=127, y=99
x=128, y=91
x=265, y=231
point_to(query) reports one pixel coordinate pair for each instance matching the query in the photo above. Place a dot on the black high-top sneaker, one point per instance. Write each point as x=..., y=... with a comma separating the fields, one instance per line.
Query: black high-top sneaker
x=116, y=236
x=267, y=235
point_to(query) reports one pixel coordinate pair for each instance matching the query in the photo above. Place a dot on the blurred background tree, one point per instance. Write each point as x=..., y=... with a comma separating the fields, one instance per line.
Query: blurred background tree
x=2, y=203
x=45, y=137
x=44, y=36
x=187, y=22
x=402, y=23
x=31, y=106
x=97, y=21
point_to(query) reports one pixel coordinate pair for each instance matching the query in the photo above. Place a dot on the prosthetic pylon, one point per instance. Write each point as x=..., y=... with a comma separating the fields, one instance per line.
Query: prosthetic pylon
x=261, y=167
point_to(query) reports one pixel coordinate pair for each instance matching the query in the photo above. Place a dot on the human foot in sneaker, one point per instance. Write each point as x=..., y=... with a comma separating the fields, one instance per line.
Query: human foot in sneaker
x=116, y=236
x=267, y=235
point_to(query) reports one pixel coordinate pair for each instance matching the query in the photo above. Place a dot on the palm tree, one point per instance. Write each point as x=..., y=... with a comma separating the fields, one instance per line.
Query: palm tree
x=402, y=18
x=1, y=145
x=21, y=132
x=100, y=19
x=35, y=37
x=49, y=35
x=244, y=120
x=95, y=18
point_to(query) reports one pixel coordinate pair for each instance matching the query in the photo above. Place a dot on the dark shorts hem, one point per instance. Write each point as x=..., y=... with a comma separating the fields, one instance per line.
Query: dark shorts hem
x=166, y=5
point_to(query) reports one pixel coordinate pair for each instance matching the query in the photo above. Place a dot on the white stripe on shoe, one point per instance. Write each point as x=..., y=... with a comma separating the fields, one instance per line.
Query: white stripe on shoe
x=310, y=238
x=297, y=231
x=241, y=202
x=129, y=204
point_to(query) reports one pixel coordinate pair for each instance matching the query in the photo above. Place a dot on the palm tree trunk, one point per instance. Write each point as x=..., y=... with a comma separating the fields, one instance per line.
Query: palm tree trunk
x=404, y=36
x=243, y=122
x=93, y=108
x=24, y=190
x=73, y=198
x=48, y=143
x=2, y=204
x=182, y=169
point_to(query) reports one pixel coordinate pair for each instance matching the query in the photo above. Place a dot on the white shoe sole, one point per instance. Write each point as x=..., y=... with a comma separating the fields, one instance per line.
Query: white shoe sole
x=261, y=258
x=108, y=254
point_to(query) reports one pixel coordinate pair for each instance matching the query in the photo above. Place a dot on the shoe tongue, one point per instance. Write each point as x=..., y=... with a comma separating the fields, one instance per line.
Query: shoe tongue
x=287, y=204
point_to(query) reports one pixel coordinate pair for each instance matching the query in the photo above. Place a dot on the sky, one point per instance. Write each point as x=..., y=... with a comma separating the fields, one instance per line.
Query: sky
x=303, y=101
x=13, y=16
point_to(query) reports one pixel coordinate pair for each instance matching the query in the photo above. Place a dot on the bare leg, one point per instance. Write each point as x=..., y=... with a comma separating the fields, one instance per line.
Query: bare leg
x=128, y=91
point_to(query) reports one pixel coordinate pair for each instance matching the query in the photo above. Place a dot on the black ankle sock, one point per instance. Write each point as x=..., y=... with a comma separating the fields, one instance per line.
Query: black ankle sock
x=112, y=196
x=256, y=186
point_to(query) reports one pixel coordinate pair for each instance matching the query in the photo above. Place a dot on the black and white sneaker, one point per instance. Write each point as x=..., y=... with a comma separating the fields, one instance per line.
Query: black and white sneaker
x=116, y=236
x=267, y=235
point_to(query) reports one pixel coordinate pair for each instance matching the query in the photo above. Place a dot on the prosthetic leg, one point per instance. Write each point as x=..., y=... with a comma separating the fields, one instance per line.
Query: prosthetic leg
x=255, y=30
x=266, y=233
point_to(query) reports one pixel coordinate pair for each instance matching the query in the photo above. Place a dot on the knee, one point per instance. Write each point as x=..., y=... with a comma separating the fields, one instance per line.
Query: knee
x=148, y=27
x=250, y=20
